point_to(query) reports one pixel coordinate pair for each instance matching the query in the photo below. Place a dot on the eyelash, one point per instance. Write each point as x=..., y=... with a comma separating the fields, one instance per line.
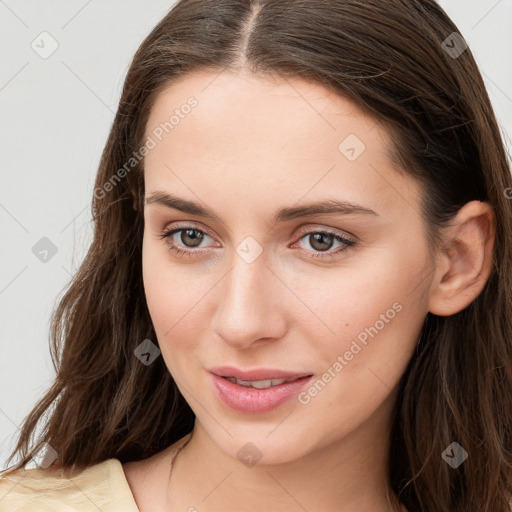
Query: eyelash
x=349, y=244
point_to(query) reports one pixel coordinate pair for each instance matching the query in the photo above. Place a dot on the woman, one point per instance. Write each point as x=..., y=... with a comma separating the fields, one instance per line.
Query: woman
x=298, y=294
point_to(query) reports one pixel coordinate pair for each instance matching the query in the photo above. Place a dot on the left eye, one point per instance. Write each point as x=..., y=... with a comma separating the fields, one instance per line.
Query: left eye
x=320, y=241
x=190, y=236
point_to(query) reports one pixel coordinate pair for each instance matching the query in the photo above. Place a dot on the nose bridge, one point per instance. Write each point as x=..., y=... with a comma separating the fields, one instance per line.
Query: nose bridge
x=248, y=307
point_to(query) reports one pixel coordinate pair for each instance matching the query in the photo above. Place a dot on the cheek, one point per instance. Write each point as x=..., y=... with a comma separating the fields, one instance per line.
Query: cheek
x=367, y=320
x=168, y=299
x=175, y=298
x=345, y=301
x=154, y=287
x=165, y=294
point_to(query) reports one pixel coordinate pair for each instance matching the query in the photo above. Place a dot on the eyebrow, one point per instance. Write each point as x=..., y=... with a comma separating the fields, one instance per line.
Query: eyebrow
x=329, y=206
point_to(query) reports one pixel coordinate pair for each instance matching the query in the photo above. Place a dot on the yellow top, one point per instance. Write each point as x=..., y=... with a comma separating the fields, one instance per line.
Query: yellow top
x=101, y=487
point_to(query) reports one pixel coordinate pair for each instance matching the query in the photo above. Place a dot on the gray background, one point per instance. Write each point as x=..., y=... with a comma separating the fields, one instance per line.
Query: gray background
x=55, y=117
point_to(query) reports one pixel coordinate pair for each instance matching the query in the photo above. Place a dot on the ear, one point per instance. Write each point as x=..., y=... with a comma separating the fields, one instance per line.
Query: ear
x=466, y=260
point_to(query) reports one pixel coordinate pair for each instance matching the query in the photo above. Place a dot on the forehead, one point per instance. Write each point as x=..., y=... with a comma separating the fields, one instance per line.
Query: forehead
x=263, y=105
x=266, y=136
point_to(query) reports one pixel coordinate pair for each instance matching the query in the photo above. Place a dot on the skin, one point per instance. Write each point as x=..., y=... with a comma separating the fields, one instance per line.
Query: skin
x=254, y=145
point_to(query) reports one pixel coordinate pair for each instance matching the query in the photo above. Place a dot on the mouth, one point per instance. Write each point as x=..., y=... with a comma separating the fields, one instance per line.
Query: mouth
x=251, y=395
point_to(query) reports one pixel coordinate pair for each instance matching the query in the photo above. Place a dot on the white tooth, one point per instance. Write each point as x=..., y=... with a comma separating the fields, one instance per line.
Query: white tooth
x=262, y=384
x=275, y=382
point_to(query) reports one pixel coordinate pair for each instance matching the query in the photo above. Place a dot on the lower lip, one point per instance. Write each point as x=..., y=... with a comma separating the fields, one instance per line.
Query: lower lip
x=252, y=400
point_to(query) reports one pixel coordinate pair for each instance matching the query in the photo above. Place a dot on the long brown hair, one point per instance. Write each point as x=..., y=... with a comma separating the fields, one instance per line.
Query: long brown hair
x=391, y=57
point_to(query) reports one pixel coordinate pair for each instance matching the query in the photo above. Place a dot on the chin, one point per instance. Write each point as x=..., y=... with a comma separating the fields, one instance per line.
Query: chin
x=258, y=447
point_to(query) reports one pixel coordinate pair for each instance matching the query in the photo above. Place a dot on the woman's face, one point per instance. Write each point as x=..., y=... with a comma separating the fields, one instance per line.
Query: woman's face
x=271, y=280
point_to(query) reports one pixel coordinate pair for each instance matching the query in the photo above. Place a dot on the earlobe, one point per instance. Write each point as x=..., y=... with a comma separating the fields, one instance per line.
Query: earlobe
x=466, y=261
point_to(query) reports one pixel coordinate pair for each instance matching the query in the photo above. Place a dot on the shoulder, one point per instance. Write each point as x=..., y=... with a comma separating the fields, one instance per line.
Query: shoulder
x=101, y=486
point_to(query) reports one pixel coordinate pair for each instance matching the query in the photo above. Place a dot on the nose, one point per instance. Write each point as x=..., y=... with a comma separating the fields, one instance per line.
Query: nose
x=251, y=304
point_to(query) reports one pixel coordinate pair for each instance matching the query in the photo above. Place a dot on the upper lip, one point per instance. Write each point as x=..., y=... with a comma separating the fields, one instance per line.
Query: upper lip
x=256, y=373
